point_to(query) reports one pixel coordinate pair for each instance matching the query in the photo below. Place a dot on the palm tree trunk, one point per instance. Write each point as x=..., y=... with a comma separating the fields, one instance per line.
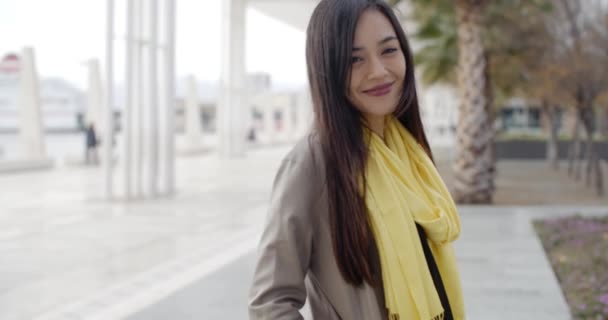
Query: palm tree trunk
x=474, y=179
x=491, y=150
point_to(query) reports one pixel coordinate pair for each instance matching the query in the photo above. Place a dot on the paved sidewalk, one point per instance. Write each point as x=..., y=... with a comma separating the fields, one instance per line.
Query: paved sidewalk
x=64, y=254
x=504, y=269
x=504, y=273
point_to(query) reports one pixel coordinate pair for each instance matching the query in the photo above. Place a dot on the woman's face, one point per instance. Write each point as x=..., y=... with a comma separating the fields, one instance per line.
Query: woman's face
x=377, y=67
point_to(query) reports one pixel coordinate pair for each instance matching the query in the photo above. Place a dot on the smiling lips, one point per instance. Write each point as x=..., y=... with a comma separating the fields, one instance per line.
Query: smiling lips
x=380, y=90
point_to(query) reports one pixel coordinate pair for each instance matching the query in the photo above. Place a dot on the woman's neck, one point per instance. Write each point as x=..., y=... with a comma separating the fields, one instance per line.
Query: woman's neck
x=376, y=124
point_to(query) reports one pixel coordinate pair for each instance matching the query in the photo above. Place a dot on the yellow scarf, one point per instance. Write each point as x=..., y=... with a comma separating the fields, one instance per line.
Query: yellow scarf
x=404, y=188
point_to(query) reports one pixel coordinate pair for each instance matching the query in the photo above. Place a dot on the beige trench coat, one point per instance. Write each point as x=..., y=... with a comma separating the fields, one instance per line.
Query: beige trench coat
x=295, y=255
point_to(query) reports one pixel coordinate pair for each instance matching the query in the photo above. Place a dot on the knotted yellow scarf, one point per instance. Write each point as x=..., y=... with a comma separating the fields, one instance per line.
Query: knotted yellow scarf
x=404, y=188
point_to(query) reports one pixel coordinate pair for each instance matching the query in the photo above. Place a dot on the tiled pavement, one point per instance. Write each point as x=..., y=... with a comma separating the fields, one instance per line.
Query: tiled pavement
x=64, y=254
x=504, y=273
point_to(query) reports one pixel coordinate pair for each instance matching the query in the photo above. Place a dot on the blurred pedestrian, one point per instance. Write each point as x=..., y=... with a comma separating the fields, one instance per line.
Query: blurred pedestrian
x=91, y=155
x=361, y=224
x=251, y=137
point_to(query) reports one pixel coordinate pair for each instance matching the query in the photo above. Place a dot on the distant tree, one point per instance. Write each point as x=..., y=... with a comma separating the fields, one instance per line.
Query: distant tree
x=582, y=76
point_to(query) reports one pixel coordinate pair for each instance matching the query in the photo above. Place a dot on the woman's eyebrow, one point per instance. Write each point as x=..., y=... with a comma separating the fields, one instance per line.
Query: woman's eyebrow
x=387, y=39
x=383, y=41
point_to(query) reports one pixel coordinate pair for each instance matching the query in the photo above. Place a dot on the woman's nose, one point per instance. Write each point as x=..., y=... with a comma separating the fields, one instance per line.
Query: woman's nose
x=377, y=69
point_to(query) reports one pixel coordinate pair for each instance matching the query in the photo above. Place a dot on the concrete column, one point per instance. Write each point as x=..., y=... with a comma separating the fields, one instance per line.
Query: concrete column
x=128, y=107
x=233, y=103
x=108, y=112
x=169, y=101
x=148, y=118
x=192, y=114
x=152, y=85
x=138, y=104
x=94, y=112
x=31, y=130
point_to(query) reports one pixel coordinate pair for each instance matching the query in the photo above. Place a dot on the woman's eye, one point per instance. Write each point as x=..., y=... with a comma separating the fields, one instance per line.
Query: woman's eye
x=356, y=59
x=389, y=50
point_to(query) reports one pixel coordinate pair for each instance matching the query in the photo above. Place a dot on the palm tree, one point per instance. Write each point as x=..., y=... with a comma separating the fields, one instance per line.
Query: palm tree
x=485, y=48
x=501, y=48
x=474, y=166
x=436, y=30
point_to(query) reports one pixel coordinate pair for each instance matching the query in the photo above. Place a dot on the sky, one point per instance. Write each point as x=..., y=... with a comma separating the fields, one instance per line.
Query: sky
x=66, y=33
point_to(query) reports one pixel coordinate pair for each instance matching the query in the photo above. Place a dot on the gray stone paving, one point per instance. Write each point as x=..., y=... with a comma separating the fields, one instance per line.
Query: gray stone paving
x=63, y=251
x=222, y=295
x=504, y=272
x=64, y=254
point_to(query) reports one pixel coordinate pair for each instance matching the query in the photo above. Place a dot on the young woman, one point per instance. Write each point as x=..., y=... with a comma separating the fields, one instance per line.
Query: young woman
x=360, y=222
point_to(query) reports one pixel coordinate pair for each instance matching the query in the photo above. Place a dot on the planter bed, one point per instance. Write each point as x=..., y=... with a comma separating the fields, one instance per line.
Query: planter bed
x=577, y=248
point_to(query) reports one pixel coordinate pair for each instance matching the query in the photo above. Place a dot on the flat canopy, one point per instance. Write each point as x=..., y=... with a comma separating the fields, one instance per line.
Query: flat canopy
x=295, y=13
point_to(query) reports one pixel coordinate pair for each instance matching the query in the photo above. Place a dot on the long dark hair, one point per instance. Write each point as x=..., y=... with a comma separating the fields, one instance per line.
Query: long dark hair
x=338, y=124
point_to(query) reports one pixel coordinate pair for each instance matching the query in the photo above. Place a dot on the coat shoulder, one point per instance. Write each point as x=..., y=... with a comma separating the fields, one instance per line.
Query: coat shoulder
x=308, y=153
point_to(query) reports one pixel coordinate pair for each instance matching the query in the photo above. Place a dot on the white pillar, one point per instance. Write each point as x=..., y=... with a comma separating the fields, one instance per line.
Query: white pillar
x=153, y=97
x=169, y=89
x=94, y=96
x=192, y=114
x=233, y=83
x=148, y=128
x=138, y=104
x=108, y=115
x=128, y=107
x=29, y=102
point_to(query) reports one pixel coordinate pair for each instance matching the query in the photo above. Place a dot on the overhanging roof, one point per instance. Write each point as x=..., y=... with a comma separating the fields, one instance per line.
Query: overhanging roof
x=295, y=13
